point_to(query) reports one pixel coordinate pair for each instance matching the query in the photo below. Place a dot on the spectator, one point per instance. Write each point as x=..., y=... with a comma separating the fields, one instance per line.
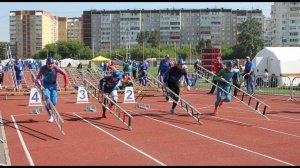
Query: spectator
x=143, y=66
x=134, y=69
x=79, y=68
x=196, y=65
x=249, y=76
x=1, y=74
x=236, y=81
x=164, y=66
x=266, y=78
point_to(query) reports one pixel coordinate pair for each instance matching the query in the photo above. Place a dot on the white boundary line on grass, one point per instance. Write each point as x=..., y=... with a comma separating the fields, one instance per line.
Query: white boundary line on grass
x=220, y=141
x=28, y=156
x=145, y=154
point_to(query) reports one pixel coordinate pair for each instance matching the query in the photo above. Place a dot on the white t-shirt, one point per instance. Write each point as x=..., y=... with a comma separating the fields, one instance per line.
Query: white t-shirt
x=265, y=77
x=1, y=67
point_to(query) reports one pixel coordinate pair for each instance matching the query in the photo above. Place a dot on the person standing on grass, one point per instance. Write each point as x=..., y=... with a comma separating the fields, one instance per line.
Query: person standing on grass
x=108, y=85
x=171, y=80
x=49, y=84
x=1, y=74
x=236, y=81
x=143, y=66
x=249, y=76
x=164, y=66
x=224, y=78
x=134, y=69
x=266, y=78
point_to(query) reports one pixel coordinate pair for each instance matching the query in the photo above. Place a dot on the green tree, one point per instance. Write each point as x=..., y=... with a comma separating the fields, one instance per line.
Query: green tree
x=183, y=52
x=154, y=39
x=65, y=49
x=251, y=36
x=203, y=44
x=3, y=50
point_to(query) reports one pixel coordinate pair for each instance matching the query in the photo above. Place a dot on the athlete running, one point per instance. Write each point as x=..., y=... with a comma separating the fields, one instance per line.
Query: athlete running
x=49, y=71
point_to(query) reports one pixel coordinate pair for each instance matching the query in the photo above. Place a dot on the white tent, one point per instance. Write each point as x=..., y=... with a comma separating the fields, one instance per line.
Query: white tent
x=66, y=61
x=281, y=61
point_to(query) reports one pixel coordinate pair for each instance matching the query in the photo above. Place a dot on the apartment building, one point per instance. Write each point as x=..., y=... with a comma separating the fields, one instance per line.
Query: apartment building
x=69, y=28
x=62, y=29
x=267, y=32
x=31, y=30
x=104, y=30
x=285, y=24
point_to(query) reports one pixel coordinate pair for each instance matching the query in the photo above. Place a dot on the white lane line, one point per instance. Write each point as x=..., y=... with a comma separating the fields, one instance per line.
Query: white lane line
x=28, y=156
x=280, y=116
x=273, y=120
x=147, y=155
x=268, y=129
x=275, y=115
x=6, y=151
x=214, y=139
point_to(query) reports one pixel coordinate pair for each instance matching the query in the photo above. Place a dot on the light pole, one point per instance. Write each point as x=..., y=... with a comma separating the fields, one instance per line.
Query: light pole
x=93, y=49
x=175, y=50
x=190, y=53
x=143, y=49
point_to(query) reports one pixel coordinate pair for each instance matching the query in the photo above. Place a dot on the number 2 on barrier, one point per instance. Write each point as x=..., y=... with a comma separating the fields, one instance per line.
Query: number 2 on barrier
x=129, y=95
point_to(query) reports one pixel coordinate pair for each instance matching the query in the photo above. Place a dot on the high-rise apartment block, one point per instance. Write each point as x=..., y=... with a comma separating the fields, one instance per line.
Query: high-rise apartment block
x=105, y=30
x=285, y=24
x=69, y=28
x=30, y=31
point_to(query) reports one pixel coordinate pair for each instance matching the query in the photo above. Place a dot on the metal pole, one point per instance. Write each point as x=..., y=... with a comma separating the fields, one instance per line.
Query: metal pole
x=110, y=37
x=143, y=49
x=190, y=53
x=93, y=49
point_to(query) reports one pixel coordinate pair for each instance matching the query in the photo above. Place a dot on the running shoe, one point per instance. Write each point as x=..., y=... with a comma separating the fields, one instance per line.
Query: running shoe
x=221, y=104
x=215, y=112
x=51, y=119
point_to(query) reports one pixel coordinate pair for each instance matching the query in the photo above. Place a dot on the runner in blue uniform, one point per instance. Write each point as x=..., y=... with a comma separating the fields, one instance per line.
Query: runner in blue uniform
x=108, y=85
x=18, y=67
x=171, y=80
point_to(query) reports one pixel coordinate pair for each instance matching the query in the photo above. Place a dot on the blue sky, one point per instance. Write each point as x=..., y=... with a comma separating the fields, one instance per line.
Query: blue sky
x=74, y=9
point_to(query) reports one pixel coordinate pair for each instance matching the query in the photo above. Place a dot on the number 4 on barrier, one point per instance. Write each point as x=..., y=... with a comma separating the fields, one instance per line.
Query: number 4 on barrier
x=82, y=96
x=129, y=95
x=35, y=98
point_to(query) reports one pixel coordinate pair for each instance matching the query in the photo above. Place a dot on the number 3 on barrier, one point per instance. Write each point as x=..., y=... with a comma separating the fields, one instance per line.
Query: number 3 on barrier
x=129, y=95
x=82, y=96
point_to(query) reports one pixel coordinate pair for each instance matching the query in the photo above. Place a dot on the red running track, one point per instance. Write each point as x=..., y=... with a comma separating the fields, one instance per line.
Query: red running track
x=236, y=136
